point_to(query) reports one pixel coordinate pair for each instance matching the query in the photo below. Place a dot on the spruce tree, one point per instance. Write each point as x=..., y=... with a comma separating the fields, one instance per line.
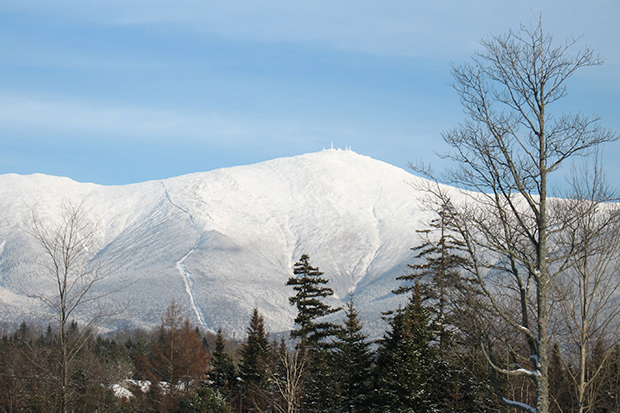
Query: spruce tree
x=452, y=300
x=353, y=362
x=405, y=361
x=313, y=333
x=254, y=365
x=439, y=273
x=310, y=291
x=222, y=372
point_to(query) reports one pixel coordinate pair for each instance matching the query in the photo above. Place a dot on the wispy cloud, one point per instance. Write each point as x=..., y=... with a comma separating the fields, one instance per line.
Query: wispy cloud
x=420, y=28
x=79, y=119
x=75, y=116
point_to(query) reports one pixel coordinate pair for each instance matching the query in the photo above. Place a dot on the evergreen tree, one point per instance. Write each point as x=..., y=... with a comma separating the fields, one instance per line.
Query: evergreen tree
x=405, y=361
x=254, y=365
x=205, y=400
x=23, y=331
x=222, y=372
x=453, y=303
x=310, y=291
x=353, y=362
x=439, y=273
x=313, y=333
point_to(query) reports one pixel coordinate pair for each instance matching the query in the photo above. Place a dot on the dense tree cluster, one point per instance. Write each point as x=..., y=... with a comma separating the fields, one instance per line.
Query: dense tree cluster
x=425, y=361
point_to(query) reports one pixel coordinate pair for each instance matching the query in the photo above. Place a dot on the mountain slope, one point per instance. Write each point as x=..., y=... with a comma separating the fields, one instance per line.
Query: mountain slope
x=222, y=242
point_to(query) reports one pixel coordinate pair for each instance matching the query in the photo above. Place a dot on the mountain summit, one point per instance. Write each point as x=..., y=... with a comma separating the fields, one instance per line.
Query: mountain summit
x=220, y=243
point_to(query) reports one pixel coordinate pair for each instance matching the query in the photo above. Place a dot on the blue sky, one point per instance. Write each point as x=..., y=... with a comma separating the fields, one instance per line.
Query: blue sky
x=116, y=92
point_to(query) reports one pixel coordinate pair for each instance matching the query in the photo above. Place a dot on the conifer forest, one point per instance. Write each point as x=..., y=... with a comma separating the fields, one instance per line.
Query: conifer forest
x=510, y=303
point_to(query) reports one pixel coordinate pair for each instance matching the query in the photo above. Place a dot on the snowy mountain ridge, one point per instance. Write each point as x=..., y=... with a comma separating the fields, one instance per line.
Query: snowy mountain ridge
x=220, y=243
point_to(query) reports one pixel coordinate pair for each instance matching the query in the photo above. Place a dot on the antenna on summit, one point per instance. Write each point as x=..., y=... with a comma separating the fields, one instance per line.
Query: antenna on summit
x=332, y=144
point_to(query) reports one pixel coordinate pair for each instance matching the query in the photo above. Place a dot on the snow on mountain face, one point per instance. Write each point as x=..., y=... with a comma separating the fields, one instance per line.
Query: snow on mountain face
x=223, y=242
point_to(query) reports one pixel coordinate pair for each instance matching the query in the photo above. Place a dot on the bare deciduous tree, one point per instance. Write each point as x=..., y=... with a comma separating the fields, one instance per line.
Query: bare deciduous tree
x=587, y=287
x=506, y=153
x=290, y=384
x=68, y=259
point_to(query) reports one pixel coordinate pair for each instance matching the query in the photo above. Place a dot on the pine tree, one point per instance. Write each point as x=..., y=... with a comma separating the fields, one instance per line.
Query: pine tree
x=254, y=365
x=405, y=361
x=353, y=361
x=309, y=295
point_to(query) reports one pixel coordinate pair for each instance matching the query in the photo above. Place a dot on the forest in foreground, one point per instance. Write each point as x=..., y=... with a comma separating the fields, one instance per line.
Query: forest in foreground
x=428, y=360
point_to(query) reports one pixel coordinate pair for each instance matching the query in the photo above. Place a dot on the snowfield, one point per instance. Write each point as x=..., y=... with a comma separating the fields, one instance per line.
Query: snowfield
x=220, y=243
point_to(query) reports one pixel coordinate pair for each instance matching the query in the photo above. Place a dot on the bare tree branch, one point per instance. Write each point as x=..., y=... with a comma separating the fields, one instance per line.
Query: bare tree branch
x=69, y=261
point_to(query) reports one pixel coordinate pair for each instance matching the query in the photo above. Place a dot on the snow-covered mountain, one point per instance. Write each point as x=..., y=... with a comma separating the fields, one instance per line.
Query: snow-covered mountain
x=220, y=243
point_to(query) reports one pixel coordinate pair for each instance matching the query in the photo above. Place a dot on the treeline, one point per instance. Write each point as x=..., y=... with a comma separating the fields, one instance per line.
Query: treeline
x=429, y=360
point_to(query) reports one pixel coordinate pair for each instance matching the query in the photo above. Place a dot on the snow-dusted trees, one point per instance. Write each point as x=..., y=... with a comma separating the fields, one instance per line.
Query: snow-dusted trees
x=442, y=272
x=441, y=278
x=507, y=152
x=222, y=371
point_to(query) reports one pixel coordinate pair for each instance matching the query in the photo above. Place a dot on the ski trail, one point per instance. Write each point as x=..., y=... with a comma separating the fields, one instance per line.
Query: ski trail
x=189, y=288
x=185, y=274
